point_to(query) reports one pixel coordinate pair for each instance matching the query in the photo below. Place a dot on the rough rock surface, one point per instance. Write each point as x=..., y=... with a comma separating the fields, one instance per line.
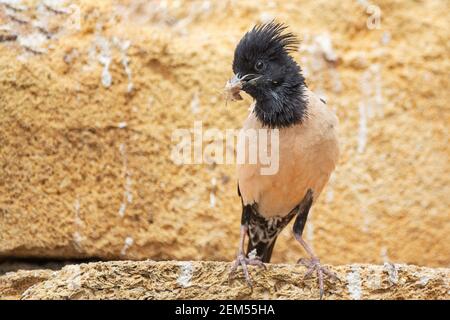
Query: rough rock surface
x=13, y=284
x=209, y=280
x=90, y=98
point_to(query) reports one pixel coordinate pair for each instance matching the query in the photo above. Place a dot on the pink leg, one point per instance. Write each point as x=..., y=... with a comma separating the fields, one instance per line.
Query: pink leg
x=313, y=264
x=242, y=260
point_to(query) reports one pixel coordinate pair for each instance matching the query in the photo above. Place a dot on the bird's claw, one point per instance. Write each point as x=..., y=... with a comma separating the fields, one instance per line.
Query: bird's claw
x=313, y=264
x=242, y=260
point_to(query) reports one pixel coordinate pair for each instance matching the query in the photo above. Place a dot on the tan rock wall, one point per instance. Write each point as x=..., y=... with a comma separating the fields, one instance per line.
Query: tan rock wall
x=85, y=168
x=13, y=284
x=209, y=280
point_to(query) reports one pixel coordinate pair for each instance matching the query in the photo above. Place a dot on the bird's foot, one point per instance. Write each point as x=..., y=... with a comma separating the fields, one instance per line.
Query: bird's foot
x=313, y=264
x=242, y=260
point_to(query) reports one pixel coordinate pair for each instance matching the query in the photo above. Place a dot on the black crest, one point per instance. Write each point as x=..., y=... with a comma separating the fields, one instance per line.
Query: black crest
x=269, y=38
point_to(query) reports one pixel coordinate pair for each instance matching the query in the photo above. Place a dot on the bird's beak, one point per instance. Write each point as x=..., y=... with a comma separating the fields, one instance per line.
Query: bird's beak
x=233, y=88
x=237, y=83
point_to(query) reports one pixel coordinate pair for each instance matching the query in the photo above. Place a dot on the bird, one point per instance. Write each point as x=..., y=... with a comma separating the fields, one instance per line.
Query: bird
x=265, y=69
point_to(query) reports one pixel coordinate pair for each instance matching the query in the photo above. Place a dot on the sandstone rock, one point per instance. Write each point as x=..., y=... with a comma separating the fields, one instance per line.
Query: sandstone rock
x=13, y=284
x=87, y=112
x=209, y=280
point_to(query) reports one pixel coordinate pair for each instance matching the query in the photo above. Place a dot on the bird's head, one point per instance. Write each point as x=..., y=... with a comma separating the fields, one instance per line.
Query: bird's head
x=264, y=69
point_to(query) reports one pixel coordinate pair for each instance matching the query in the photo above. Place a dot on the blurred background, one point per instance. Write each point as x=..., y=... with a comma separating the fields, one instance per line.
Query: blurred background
x=91, y=92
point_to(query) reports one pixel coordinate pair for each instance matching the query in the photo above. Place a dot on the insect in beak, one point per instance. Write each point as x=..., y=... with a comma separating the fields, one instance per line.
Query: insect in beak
x=233, y=87
x=236, y=83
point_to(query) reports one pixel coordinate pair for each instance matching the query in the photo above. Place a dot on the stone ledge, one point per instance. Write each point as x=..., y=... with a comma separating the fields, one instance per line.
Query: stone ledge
x=13, y=284
x=209, y=280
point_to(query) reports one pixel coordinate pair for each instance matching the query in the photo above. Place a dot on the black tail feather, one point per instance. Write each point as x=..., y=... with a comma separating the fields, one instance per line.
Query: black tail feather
x=263, y=232
x=263, y=250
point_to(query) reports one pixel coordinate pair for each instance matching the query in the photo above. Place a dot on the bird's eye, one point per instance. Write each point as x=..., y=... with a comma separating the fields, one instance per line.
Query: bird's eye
x=259, y=66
